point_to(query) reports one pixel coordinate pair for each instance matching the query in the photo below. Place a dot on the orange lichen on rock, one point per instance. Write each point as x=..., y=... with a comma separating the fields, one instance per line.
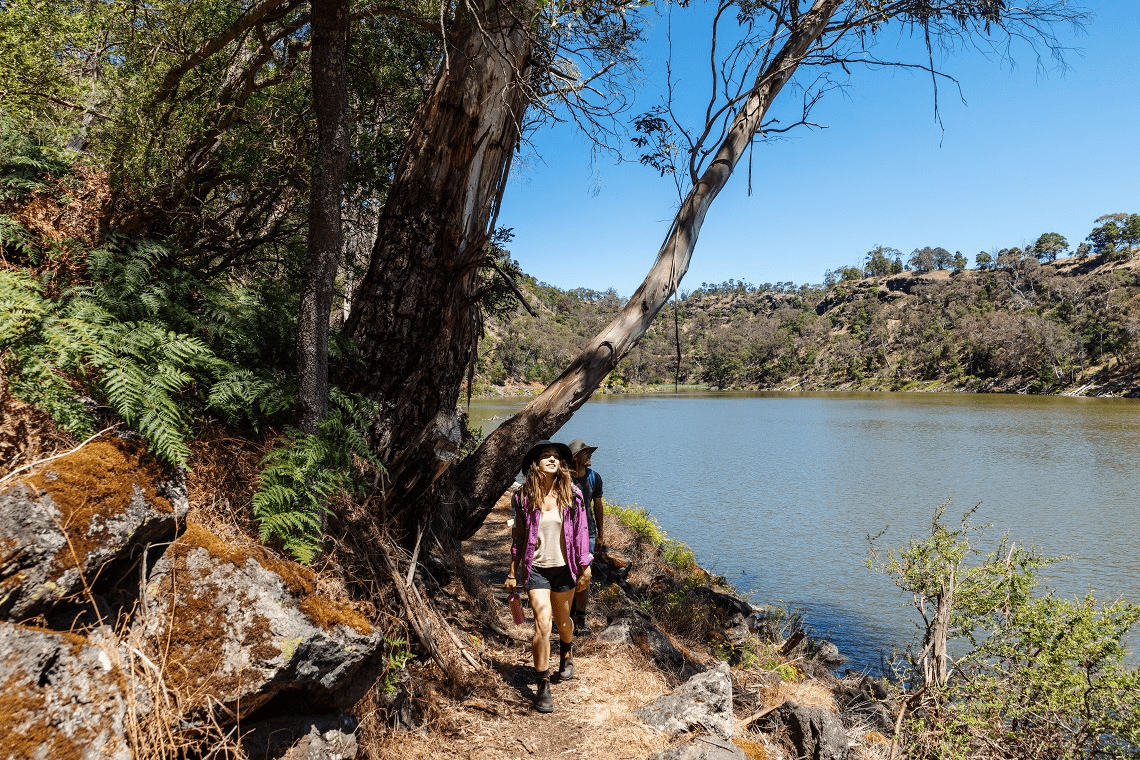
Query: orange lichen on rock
x=22, y=728
x=300, y=580
x=328, y=614
x=95, y=483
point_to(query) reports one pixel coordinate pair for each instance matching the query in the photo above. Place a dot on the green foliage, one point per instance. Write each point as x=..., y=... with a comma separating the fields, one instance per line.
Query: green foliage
x=142, y=371
x=397, y=653
x=302, y=473
x=1118, y=236
x=24, y=164
x=1038, y=676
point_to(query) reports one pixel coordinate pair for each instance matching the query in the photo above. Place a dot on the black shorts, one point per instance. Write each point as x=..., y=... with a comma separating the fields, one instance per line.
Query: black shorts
x=553, y=578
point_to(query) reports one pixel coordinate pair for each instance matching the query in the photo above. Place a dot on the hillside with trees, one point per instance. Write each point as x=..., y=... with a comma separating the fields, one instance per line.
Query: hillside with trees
x=250, y=259
x=1022, y=321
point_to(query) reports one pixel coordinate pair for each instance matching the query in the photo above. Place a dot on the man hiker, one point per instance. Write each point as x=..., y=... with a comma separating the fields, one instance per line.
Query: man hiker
x=590, y=484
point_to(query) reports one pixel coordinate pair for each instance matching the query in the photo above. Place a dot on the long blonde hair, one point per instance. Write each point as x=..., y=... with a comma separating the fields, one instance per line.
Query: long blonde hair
x=563, y=486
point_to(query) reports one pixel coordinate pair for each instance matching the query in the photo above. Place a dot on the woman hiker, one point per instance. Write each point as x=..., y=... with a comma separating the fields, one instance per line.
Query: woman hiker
x=549, y=551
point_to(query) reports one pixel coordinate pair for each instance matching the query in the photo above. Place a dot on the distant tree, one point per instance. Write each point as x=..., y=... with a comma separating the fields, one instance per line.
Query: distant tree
x=922, y=259
x=984, y=260
x=1049, y=246
x=1007, y=258
x=959, y=262
x=883, y=261
x=1083, y=250
x=1117, y=236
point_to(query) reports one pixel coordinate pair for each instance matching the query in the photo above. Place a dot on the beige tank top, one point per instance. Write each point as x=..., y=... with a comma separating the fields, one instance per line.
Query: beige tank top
x=548, y=552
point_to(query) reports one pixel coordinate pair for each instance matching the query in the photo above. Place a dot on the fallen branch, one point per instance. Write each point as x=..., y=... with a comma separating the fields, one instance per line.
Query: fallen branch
x=740, y=724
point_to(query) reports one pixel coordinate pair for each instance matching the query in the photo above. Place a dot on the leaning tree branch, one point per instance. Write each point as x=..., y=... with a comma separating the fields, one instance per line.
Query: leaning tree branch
x=485, y=474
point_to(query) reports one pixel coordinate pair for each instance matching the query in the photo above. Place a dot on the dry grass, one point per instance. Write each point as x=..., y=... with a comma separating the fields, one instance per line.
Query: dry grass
x=26, y=434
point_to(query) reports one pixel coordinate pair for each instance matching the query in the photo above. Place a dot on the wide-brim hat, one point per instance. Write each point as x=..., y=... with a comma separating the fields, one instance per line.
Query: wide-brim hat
x=577, y=446
x=536, y=449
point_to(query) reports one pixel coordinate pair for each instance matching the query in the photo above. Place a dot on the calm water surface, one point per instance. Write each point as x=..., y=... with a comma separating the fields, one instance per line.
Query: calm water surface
x=778, y=491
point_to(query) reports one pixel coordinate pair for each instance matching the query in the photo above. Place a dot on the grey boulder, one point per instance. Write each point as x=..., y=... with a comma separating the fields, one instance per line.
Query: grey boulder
x=815, y=732
x=703, y=703
x=235, y=627
x=61, y=698
x=85, y=515
x=702, y=748
x=638, y=632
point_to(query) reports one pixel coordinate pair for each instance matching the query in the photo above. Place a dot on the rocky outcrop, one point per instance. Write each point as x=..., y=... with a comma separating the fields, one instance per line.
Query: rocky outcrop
x=237, y=627
x=815, y=732
x=81, y=519
x=89, y=536
x=703, y=703
x=60, y=698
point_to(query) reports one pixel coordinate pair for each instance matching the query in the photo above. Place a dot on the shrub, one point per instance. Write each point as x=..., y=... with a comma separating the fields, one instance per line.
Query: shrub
x=1039, y=676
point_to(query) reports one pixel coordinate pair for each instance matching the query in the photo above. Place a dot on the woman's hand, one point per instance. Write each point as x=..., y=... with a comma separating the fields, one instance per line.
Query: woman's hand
x=583, y=580
x=511, y=585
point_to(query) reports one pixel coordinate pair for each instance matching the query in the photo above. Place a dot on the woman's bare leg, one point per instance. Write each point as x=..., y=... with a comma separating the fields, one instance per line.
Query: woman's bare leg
x=540, y=645
x=561, y=601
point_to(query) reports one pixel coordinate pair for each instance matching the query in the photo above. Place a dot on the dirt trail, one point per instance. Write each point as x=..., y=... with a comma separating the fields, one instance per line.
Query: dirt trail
x=592, y=713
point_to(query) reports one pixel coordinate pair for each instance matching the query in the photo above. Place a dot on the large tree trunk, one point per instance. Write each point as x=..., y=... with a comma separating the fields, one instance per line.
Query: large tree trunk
x=416, y=314
x=330, y=25
x=484, y=475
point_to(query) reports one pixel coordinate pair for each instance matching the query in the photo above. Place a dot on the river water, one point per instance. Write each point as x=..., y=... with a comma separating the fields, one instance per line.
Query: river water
x=779, y=491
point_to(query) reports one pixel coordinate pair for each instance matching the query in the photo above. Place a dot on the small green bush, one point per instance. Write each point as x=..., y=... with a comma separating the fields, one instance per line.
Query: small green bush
x=1040, y=676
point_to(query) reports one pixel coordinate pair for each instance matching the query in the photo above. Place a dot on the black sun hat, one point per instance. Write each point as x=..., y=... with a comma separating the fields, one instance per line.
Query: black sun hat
x=536, y=449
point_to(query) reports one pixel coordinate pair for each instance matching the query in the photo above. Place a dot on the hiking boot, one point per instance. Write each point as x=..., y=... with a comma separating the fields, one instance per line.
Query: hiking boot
x=580, y=628
x=566, y=672
x=543, y=701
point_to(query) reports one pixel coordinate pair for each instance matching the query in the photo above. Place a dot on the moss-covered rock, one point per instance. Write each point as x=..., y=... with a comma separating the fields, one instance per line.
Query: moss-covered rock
x=65, y=522
x=234, y=627
x=61, y=698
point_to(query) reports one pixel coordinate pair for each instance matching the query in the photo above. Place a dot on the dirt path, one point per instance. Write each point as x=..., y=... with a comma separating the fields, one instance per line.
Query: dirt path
x=592, y=713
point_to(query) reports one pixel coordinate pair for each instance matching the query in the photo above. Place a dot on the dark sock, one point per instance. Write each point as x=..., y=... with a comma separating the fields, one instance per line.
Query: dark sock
x=543, y=675
x=565, y=652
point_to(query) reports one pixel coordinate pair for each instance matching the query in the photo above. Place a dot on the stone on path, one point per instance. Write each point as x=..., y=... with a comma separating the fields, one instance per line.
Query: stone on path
x=703, y=703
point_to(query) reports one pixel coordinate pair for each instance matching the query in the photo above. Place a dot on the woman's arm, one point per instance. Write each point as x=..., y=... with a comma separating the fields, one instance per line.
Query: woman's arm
x=518, y=532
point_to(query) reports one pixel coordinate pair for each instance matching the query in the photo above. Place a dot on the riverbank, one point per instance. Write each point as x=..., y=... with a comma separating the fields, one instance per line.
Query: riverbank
x=217, y=646
x=658, y=620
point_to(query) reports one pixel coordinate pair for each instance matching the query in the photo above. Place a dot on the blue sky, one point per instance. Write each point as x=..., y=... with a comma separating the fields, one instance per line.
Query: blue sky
x=1025, y=154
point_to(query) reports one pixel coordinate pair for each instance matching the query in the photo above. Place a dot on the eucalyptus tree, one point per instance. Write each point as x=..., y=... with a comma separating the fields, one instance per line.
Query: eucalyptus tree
x=774, y=44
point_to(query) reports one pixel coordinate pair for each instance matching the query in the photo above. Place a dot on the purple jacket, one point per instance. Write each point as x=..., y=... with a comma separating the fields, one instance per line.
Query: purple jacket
x=575, y=530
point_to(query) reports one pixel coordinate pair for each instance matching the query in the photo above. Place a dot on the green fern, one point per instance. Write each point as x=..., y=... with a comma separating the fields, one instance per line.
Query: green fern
x=14, y=238
x=303, y=472
x=24, y=165
x=55, y=348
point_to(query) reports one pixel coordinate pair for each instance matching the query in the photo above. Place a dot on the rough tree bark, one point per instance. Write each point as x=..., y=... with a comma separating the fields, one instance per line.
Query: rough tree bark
x=330, y=26
x=416, y=314
x=483, y=476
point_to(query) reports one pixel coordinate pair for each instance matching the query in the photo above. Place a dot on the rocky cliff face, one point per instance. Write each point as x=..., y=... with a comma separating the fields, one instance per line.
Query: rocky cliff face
x=115, y=612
